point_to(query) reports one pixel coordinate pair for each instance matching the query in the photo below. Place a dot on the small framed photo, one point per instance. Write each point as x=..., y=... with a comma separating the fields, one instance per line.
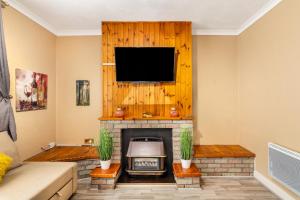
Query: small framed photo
x=82, y=93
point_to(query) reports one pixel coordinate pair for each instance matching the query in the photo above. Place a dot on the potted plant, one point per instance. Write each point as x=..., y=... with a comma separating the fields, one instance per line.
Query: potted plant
x=105, y=148
x=186, y=148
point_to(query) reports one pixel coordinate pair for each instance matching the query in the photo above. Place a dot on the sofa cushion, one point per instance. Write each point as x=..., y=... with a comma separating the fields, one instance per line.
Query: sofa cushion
x=36, y=180
x=5, y=162
x=8, y=147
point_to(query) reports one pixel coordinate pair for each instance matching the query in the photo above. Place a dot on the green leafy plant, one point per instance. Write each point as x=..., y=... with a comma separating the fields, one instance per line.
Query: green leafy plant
x=105, y=146
x=186, y=144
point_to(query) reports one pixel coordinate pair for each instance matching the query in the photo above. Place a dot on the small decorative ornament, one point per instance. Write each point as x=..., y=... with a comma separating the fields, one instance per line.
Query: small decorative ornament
x=174, y=112
x=88, y=142
x=119, y=112
x=147, y=115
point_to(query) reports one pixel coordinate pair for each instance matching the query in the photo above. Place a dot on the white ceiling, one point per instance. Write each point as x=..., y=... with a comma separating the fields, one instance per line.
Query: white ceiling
x=83, y=17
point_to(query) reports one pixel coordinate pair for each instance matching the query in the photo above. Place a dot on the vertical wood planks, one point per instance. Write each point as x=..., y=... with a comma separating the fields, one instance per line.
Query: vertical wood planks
x=189, y=69
x=156, y=98
x=151, y=85
x=104, y=68
x=162, y=85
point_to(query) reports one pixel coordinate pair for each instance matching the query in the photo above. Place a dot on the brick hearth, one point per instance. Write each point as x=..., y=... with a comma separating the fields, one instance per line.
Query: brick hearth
x=116, y=126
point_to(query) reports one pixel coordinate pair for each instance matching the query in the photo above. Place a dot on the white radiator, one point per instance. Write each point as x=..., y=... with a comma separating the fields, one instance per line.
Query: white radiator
x=284, y=166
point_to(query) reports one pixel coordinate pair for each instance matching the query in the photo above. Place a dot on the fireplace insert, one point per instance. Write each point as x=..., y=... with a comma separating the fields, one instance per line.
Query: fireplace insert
x=146, y=156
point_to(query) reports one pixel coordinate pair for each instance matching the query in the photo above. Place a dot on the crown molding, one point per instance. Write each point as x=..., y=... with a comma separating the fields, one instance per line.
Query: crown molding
x=25, y=11
x=80, y=32
x=259, y=14
x=98, y=32
x=215, y=32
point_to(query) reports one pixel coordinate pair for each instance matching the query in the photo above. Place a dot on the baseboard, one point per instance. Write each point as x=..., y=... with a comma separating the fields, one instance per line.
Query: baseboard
x=69, y=145
x=227, y=176
x=272, y=186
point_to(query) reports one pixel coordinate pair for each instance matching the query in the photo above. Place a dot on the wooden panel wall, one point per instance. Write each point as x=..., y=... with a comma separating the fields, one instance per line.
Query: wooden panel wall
x=156, y=98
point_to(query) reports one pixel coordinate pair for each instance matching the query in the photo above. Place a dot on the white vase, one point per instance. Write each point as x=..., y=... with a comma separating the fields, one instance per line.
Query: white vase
x=186, y=163
x=105, y=164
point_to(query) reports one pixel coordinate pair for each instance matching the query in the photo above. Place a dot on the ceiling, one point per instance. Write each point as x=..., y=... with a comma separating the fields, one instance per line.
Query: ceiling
x=83, y=17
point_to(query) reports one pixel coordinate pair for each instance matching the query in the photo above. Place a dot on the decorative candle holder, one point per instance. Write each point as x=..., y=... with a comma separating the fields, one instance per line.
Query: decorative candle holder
x=174, y=112
x=119, y=112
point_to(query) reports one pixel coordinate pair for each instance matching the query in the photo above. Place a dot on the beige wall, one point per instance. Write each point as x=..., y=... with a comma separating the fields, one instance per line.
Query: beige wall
x=245, y=87
x=67, y=59
x=30, y=46
x=269, y=83
x=214, y=89
x=77, y=58
x=214, y=79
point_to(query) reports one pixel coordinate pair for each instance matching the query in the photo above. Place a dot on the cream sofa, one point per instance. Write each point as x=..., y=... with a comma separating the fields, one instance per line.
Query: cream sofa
x=39, y=181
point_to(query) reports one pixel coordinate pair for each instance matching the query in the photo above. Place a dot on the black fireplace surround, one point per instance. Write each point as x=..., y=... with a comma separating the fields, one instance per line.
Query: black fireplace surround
x=166, y=134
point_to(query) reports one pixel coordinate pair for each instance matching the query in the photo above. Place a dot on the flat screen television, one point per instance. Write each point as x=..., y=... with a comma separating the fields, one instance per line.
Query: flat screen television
x=145, y=64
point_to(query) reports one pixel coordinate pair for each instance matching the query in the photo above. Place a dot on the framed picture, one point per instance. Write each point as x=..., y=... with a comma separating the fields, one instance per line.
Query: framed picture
x=82, y=93
x=31, y=90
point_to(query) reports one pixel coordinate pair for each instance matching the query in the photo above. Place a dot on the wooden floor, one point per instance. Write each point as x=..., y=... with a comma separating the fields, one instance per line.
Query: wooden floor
x=212, y=189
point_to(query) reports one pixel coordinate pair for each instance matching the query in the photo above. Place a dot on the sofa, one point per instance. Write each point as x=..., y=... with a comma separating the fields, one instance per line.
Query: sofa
x=40, y=180
x=37, y=180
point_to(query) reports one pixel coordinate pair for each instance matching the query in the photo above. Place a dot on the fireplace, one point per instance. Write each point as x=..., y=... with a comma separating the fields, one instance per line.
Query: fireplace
x=124, y=130
x=146, y=156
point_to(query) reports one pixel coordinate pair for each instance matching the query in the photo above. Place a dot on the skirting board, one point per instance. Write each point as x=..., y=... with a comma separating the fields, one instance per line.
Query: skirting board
x=69, y=145
x=272, y=186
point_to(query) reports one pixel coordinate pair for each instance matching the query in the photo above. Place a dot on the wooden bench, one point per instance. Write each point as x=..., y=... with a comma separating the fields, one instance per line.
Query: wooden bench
x=106, y=179
x=221, y=151
x=86, y=157
x=212, y=160
x=224, y=160
x=187, y=178
x=66, y=154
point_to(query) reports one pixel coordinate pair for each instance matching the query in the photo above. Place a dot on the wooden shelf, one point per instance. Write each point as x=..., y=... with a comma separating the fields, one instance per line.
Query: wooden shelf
x=179, y=172
x=66, y=154
x=75, y=153
x=144, y=118
x=221, y=151
x=112, y=172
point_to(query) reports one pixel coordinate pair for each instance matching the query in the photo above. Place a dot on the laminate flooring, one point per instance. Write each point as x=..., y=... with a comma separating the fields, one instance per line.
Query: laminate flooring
x=213, y=188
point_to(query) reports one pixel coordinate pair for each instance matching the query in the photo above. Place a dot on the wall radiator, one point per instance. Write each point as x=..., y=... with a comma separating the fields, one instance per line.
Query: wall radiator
x=284, y=166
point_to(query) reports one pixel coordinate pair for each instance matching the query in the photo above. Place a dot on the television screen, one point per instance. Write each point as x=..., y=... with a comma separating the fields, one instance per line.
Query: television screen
x=145, y=64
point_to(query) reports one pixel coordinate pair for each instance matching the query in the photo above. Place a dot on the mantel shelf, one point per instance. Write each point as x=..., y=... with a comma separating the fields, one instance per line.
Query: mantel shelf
x=144, y=118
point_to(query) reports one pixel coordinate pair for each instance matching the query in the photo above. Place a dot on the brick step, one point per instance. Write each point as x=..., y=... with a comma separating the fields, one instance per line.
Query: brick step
x=187, y=178
x=112, y=172
x=179, y=172
x=105, y=179
x=224, y=160
x=225, y=166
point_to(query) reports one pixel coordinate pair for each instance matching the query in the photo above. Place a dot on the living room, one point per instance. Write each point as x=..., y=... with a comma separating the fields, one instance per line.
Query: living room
x=223, y=113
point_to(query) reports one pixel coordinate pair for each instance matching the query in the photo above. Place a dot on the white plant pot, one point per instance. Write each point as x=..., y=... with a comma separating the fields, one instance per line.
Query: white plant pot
x=105, y=164
x=186, y=163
